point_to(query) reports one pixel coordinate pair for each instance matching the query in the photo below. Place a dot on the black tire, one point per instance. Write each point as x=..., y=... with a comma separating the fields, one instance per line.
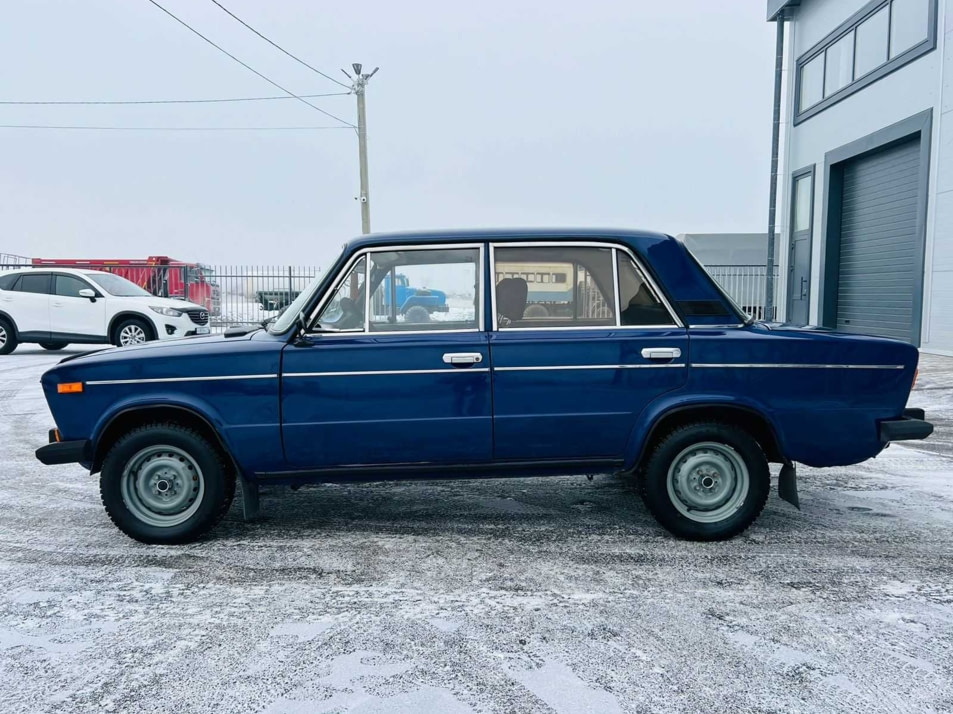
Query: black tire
x=8, y=336
x=719, y=451
x=417, y=314
x=167, y=441
x=53, y=346
x=131, y=324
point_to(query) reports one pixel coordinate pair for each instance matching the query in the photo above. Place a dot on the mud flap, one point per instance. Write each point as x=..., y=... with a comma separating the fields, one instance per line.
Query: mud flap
x=787, y=485
x=250, y=502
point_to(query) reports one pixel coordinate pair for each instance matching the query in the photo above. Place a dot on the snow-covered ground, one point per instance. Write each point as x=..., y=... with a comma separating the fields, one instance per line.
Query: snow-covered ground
x=555, y=595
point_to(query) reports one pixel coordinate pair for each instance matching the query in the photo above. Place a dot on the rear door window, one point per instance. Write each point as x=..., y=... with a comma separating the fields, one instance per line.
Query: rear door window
x=30, y=283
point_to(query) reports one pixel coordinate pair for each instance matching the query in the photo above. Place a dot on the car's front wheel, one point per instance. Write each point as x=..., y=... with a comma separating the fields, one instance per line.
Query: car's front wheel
x=132, y=331
x=8, y=337
x=165, y=484
x=706, y=481
x=53, y=346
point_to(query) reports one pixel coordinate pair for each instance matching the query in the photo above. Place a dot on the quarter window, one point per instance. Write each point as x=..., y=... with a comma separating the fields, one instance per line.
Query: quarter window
x=639, y=303
x=346, y=309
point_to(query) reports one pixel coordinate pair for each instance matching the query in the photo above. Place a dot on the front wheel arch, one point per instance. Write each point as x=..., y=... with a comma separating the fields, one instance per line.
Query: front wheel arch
x=118, y=318
x=135, y=417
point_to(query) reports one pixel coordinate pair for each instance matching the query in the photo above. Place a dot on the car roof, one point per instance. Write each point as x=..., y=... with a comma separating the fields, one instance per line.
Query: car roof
x=502, y=235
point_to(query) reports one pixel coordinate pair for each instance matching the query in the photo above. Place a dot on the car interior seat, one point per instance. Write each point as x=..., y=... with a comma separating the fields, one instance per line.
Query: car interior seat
x=511, y=294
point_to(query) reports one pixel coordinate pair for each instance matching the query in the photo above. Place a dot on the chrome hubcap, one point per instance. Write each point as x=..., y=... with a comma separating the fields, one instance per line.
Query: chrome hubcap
x=708, y=482
x=162, y=486
x=132, y=335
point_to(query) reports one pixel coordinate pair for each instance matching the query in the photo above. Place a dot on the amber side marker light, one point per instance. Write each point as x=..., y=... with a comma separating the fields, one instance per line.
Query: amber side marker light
x=916, y=376
x=69, y=388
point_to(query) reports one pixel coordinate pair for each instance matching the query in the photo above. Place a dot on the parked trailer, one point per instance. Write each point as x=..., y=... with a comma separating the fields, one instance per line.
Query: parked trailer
x=159, y=274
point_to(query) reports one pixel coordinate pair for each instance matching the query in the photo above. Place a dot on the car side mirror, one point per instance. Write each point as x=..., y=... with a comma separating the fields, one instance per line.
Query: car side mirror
x=88, y=293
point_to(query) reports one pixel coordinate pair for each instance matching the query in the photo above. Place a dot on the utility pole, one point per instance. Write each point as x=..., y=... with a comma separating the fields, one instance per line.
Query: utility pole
x=358, y=85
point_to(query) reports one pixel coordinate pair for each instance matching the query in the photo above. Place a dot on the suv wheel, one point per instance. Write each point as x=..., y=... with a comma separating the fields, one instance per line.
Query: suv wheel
x=8, y=337
x=53, y=346
x=132, y=331
x=706, y=481
x=165, y=484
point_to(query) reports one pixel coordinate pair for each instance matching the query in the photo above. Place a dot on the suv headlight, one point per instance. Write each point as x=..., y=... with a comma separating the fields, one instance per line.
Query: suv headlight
x=167, y=311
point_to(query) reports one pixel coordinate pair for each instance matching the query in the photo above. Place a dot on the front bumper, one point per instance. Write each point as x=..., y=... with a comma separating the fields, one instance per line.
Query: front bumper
x=910, y=427
x=62, y=452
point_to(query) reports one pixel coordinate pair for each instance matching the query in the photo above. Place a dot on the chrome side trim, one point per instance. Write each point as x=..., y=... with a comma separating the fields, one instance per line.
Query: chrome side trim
x=798, y=366
x=159, y=380
x=389, y=372
x=586, y=366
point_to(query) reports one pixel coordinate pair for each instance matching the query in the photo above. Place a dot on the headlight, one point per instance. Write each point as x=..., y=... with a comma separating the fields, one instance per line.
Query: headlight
x=167, y=311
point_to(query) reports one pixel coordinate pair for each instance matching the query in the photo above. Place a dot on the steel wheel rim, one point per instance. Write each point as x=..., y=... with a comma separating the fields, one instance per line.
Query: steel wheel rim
x=162, y=486
x=708, y=482
x=132, y=335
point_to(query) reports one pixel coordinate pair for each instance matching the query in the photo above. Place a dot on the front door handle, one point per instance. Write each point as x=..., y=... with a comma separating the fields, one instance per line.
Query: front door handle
x=462, y=359
x=661, y=353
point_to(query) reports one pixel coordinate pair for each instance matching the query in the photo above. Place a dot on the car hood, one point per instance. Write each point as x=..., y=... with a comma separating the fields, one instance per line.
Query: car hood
x=163, y=302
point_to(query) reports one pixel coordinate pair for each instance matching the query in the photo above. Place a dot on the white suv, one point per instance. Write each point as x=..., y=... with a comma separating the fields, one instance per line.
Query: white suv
x=55, y=307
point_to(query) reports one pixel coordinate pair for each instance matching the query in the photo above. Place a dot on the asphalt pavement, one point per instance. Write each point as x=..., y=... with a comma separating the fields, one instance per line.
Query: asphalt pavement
x=524, y=595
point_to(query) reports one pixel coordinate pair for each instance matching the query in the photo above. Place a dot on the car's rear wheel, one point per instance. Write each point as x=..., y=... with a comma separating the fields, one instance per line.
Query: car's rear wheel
x=132, y=331
x=8, y=337
x=53, y=346
x=165, y=484
x=706, y=481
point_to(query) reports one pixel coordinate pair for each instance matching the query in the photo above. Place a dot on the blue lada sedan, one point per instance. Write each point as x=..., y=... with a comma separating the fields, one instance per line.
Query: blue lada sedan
x=561, y=352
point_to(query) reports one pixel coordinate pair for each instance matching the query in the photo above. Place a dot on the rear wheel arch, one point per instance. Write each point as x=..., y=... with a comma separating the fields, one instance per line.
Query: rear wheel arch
x=749, y=419
x=134, y=417
x=6, y=316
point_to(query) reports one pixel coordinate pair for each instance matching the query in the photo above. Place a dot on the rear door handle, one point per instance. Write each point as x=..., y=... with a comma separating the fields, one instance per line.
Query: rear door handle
x=661, y=353
x=462, y=359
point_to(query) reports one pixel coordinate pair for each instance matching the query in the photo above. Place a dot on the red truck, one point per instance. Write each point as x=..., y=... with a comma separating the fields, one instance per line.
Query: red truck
x=159, y=274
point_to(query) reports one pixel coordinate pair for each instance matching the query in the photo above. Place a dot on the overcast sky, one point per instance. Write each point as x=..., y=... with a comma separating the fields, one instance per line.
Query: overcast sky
x=499, y=112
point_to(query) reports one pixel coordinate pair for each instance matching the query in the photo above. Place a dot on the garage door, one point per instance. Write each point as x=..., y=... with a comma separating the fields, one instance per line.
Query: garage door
x=880, y=246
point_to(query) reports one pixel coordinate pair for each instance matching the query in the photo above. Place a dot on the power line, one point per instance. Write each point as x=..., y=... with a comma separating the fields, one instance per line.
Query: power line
x=170, y=128
x=276, y=45
x=173, y=101
x=249, y=67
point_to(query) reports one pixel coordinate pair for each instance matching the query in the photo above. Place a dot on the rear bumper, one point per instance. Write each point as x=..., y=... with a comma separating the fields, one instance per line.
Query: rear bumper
x=910, y=427
x=62, y=452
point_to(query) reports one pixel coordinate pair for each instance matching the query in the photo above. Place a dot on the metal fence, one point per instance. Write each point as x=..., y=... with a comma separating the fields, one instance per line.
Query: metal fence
x=746, y=286
x=232, y=294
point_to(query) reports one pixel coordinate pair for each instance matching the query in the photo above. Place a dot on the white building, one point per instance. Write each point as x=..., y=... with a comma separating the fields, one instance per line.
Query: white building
x=867, y=192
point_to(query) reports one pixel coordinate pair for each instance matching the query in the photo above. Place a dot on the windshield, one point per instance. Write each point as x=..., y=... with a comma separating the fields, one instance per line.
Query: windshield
x=115, y=285
x=290, y=314
x=745, y=317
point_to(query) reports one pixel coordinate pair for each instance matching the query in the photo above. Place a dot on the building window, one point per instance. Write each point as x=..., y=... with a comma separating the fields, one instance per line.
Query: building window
x=871, y=42
x=882, y=37
x=908, y=24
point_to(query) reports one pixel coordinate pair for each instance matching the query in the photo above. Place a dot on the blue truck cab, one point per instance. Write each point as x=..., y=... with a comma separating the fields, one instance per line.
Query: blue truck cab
x=647, y=368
